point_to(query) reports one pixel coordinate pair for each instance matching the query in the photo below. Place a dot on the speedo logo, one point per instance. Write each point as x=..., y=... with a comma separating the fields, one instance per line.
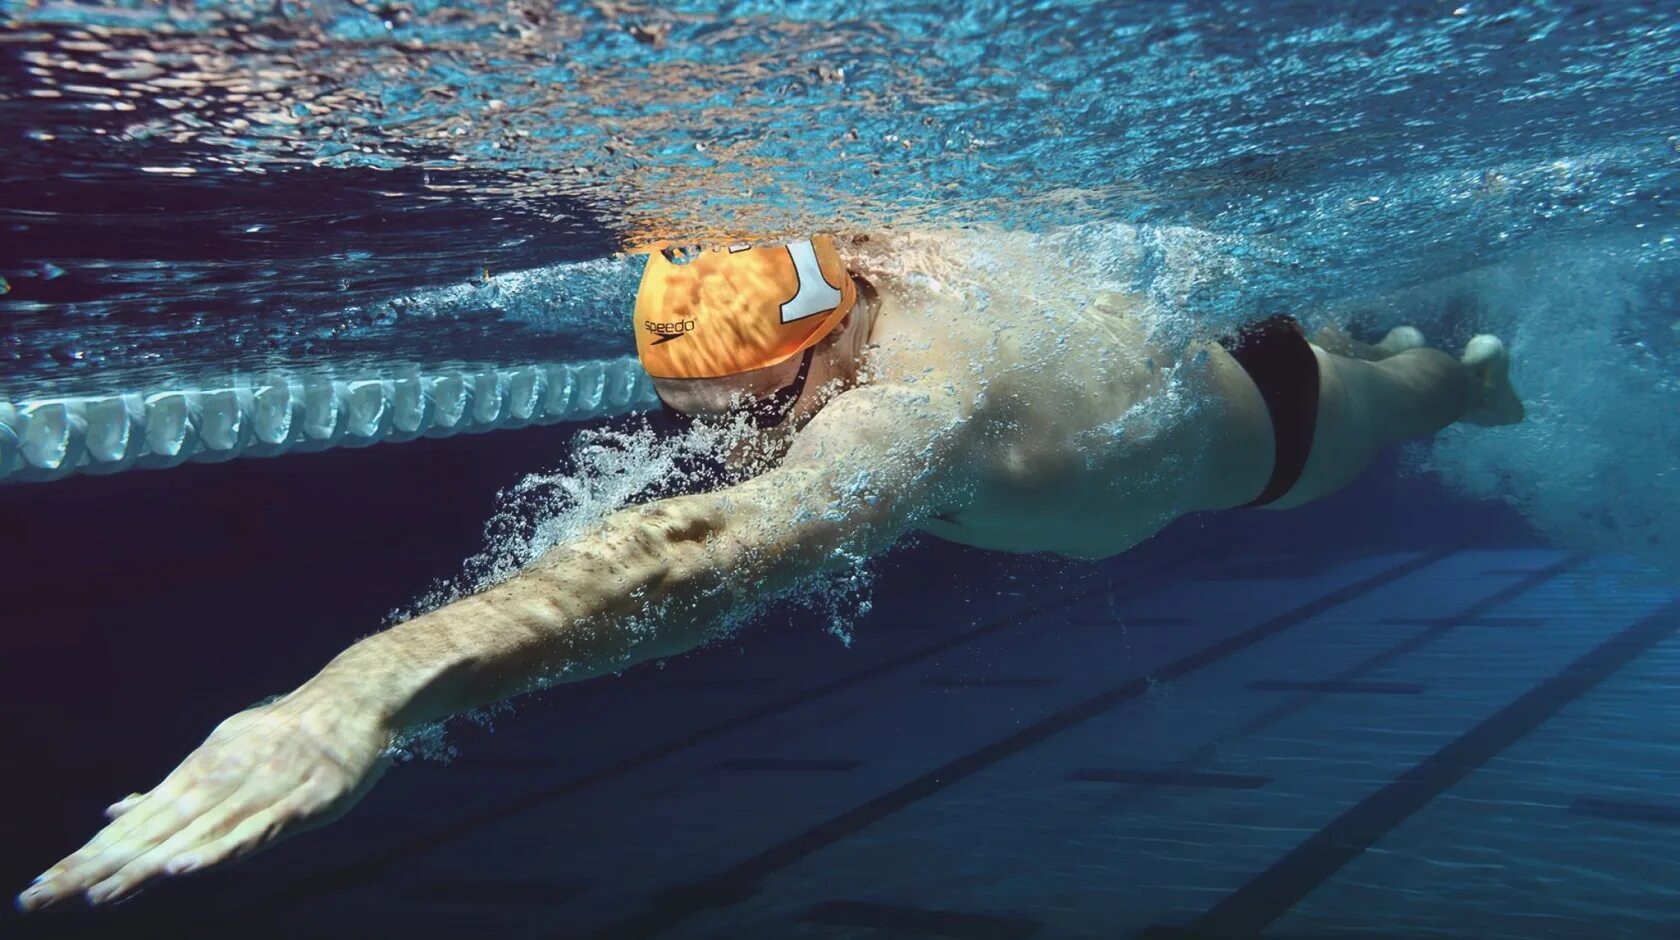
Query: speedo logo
x=668, y=330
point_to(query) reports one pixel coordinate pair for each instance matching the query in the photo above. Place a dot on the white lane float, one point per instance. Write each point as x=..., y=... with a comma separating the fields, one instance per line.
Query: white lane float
x=278, y=413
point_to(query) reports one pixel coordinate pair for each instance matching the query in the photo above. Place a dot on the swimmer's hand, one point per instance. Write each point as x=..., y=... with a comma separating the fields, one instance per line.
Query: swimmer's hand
x=266, y=773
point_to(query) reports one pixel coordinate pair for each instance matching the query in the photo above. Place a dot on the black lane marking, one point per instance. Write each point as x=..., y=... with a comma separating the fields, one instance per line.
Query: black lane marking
x=1270, y=894
x=667, y=909
x=988, y=682
x=959, y=925
x=1212, y=749
x=1377, y=660
x=1462, y=622
x=366, y=869
x=1627, y=811
x=783, y=764
x=1170, y=778
x=1336, y=686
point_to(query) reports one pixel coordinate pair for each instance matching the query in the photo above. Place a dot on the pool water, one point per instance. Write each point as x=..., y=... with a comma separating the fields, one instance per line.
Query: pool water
x=1430, y=724
x=1439, y=704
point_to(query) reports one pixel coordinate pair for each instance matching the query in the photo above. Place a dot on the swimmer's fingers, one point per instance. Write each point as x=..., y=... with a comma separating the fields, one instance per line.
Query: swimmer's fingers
x=261, y=814
x=324, y=755
x=254, y=832
x=307, y=808
x=151, y=819
x=121, y=871
x=254, y=815
x=194, y=785
x=208, y=775
x=123, y=805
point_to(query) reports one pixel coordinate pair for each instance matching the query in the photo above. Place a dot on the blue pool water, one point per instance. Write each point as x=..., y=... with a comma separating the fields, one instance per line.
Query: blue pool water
x=1441, y=704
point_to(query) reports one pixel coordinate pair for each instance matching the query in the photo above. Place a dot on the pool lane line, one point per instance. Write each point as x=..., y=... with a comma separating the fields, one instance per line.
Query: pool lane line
x=1151, y=577
x=1273, y=892
x=1532, y=579
x=671, y=907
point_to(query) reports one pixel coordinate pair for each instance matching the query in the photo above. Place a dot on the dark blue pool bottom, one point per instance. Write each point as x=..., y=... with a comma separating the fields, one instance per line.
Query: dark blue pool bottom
x=1269, y=894
x=561, y=895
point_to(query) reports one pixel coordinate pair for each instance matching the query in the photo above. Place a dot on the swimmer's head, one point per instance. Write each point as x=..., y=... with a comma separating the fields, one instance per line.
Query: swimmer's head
x=723, y=328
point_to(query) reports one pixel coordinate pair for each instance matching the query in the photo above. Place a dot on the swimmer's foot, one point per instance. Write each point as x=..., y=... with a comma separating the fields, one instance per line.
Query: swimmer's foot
x=1492, y=399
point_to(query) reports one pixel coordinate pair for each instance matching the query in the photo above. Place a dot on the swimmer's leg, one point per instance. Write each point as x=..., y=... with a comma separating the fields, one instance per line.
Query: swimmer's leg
x=1365, y=406
x=1333, y=339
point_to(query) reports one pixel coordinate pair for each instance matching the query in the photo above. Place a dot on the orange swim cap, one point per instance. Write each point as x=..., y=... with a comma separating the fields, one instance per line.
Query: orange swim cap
x=733, y=310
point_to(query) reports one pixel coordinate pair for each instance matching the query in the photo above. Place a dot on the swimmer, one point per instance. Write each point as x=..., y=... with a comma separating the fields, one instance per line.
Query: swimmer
x=892, y=404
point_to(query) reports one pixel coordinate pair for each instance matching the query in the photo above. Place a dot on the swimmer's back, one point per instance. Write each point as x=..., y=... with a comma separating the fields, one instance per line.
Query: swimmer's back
x=1070, y=404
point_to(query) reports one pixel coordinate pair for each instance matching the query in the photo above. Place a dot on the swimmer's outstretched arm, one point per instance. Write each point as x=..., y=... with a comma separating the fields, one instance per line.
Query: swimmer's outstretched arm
x=650, y=581
x=659, y=579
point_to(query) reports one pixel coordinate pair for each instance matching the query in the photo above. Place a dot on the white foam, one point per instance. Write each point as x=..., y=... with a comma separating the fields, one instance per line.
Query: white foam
x=1596, y=464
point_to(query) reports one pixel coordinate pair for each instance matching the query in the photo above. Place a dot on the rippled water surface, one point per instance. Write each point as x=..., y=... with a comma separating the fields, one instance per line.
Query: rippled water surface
x=198, y=188
x=187, y=183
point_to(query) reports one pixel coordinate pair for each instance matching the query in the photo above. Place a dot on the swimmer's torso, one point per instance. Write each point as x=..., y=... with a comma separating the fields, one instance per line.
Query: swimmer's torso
x=1083, y=437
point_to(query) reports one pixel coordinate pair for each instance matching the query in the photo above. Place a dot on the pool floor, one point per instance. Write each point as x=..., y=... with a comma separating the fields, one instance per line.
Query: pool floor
x=1482, y=742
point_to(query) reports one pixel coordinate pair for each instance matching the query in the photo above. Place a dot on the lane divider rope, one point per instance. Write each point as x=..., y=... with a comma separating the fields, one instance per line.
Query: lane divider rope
x=277, y=413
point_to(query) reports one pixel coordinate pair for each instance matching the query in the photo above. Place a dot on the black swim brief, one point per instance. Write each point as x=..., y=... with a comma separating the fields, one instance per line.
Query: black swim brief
x=1276, y=355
